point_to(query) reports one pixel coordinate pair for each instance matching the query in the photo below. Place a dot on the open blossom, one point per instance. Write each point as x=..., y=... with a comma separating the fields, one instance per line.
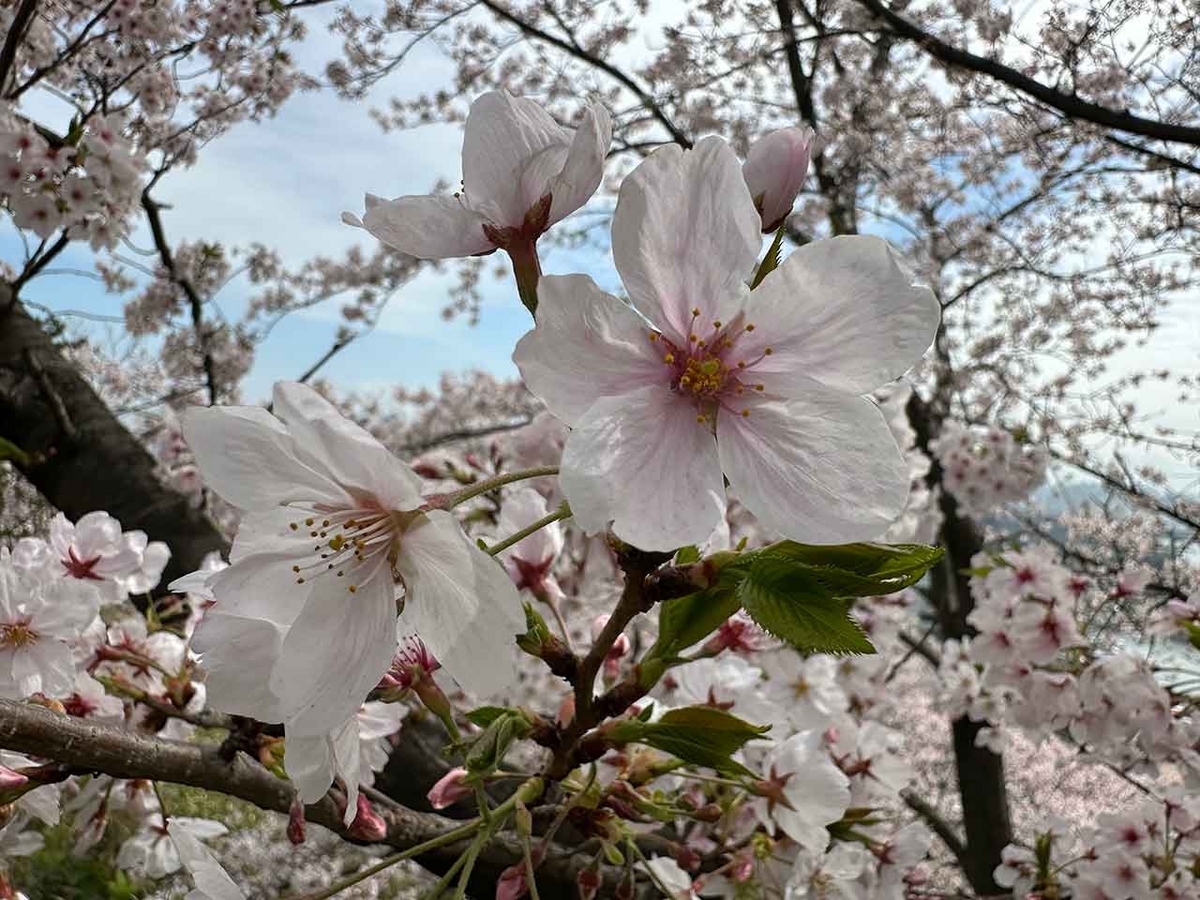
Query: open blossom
x=333, y=529
x=802, y=790
x=530, y=560
x=151, y=850
x=764, y=388
x=212, y=882
x=37, y=623
x=774, y=171
x=522, y=172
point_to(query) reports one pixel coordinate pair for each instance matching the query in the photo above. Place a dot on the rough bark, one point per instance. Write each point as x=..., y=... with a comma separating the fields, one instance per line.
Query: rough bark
x=82, y=457
x=981, y=783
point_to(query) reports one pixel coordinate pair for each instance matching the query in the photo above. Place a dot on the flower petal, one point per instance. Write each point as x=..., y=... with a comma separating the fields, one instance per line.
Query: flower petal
x=501, y=138
x=823, y=469
x=584, y=168
x=685, y=235
x=429, y=227
x=348, y=453
x=335, y=652
x=238, y=655
x=461, y=603
x=641, y=461
x=212, y=881
x=249, y=458
x=841, y=311
x=587, y=344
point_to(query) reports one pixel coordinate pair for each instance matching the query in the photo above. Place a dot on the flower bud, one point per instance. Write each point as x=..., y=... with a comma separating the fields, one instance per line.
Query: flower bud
x=450, y=788
x=511, y=884
x=774, y=171
x=10, y=779
x=588, y=882
x=368, y=825
x=296, y=823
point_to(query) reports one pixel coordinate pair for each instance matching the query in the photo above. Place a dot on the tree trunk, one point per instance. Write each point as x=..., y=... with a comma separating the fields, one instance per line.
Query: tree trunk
x=981, y=784
x=81, y=457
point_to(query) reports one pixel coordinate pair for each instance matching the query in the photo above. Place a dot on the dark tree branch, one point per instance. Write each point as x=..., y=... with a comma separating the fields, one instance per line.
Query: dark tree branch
x=580, y=53
x=84, y=746
x=196, y=303
x=12, y=41
x=1070, y=105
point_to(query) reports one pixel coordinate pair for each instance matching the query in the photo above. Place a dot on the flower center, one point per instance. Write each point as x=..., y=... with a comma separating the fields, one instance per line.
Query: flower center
x=81, y=568
x=708, y=370
x=17, y=635
x=347, y=540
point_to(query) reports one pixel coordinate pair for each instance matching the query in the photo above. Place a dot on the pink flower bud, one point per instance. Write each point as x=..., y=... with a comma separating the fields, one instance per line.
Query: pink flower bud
x=449, y=789
x=368, y=825
x=296, y=823
x=774, y=171
x=566, y=710
x=10, y=779
x=511, y=884
x=588, y=882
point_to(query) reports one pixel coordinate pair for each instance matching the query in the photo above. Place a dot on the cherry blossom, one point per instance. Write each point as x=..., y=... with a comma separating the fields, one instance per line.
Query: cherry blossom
x=211, y=880
x=802, y=790
x=720, y=382
x=37, y=624
x=774, y=171
x=333, y=530
x=522, y=172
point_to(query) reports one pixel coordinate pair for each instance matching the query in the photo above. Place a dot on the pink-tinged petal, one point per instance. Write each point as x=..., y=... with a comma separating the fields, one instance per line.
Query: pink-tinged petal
x=461, y=603
x=587, y=344
x=774, y=171
x=522, y=506
x=429, y=227
x=823, y=469
x=335, y=652
x=348, y=453
x=584, y=169
x=248, y=458
x=238, y=655
x=685, y=235
x=642, y=461
x=502, y=137
x=842, y=311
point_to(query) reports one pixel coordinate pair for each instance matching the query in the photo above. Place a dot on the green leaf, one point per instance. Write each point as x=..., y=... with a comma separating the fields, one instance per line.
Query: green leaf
x=487, y=751
x=684, y=621
x=685, y=556
x=857, y=570
x=486, y=715
x=537, y=634
x=771, y=261
x=698, y=735
x=787, y=602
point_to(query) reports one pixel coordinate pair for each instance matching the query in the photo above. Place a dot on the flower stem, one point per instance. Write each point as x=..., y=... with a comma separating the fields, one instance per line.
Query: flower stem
x=490, y=484
x=530, y=877
x=563, y=512
x=455, y=834
x=527, y=270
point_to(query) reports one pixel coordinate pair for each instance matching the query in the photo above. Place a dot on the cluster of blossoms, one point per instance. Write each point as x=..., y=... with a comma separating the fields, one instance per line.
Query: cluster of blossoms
x=986, y=468
x=1030, y=667
x=87, y=186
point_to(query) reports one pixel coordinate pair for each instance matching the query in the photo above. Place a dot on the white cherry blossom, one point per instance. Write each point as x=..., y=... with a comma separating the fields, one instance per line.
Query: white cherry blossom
x=703, y=380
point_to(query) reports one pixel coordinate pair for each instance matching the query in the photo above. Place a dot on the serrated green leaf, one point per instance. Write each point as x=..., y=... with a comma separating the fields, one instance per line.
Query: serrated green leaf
x=783, y=599
x=698, y=735
x=771, y=261
x=486, y=715
x=856, y=570
x=685, y=556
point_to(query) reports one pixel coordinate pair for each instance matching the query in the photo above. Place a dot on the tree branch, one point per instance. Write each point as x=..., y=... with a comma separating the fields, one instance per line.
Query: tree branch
x=88, y=747
x=1070, y=105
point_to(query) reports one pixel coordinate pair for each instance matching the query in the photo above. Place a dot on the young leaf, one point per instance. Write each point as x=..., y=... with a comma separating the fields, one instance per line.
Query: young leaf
x=698, y=735
x=857, y=570
x=487, y=751
x=786, y=601
x=684, y=621
x=486, y=715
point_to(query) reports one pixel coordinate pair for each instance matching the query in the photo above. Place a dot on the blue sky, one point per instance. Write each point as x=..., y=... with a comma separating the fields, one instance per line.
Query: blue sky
x=285, y=183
